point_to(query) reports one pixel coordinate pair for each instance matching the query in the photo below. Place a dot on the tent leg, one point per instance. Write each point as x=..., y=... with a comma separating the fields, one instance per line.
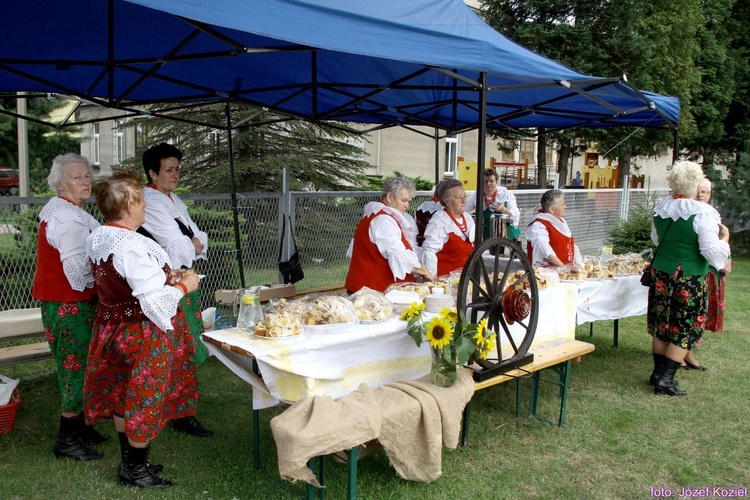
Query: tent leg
x=233, y=184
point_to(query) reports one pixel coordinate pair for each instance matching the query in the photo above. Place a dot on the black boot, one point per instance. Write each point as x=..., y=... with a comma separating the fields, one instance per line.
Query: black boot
x=88, y=434
x=190, y=425
x=134, y=468
x=69, y=443
x=658, y=363
x=665, y=380
x=154, y=468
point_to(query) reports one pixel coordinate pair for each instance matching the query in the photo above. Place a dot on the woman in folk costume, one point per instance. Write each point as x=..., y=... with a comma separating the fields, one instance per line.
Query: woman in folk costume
x=716, y=281
x=497, y=200
x=449, y=237
x=549, y=241
x=169, y=224
x=139, y=370
x=384, y=248
x=690, y=237
x=64, y=284
x=426, y=210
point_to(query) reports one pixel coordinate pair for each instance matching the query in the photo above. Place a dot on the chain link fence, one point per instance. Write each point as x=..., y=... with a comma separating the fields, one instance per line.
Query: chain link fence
x=324, y=224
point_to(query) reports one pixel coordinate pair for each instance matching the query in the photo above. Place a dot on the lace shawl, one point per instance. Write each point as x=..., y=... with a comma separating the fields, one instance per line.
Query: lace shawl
x=141, y=262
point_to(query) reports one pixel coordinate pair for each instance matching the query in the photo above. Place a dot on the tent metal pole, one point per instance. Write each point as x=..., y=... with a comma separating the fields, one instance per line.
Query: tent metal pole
x=675, y=145
x=481, y=151
x=233, y=185
x=437, y=155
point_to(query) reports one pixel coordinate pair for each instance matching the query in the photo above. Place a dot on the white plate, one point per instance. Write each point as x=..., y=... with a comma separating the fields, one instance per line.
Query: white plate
x=572, y=281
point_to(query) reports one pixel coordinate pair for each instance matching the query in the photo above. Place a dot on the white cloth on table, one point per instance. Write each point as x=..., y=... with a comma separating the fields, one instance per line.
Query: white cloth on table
x=141, y=261
x=161, y=212
x=385, y=233
x=538, y=236
x=67, y=229
x=331, y=363
x=609, y=299
x=705, y=224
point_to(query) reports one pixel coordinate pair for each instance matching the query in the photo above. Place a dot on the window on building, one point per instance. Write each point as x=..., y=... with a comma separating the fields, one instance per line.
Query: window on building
x=120, y=142
x=359, y=143
x=451, y=154
x=527, y=151
x=507, y=147
x=548, y=152
x=141, y=140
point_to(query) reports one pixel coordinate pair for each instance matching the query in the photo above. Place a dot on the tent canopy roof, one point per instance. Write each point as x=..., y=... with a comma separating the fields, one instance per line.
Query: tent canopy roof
x=387, y=62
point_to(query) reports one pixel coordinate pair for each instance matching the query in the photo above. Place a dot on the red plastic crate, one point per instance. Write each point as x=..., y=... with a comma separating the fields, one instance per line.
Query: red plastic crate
x=8, y=412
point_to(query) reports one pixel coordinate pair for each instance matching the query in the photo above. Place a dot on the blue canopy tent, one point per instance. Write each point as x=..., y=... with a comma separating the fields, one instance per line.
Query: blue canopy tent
x=390, y=62
x=385, y=63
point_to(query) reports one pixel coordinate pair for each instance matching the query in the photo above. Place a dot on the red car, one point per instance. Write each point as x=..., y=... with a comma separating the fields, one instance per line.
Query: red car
x=9, y=181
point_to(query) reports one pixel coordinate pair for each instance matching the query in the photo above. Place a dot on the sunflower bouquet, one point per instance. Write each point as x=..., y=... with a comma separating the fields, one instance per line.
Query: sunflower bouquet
x=453, y=340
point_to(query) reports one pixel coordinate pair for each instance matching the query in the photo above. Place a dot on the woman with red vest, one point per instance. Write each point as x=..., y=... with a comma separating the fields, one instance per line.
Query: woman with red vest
x=549, y=241
x=64, y=284
x=384, y=247
x=139, y=372
x=449, y=237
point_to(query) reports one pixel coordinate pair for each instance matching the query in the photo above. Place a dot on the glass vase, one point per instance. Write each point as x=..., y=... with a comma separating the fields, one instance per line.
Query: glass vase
x=443, y=371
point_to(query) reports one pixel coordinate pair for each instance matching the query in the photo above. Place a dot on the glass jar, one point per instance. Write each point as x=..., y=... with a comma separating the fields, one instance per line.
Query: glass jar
x=250, y=312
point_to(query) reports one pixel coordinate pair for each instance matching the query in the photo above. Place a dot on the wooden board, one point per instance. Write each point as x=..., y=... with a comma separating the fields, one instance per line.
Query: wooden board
x=545, y=355
x=24, y=353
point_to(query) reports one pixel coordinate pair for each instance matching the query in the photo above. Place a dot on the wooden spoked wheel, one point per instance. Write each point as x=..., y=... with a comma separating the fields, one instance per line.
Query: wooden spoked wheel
x=503, y=290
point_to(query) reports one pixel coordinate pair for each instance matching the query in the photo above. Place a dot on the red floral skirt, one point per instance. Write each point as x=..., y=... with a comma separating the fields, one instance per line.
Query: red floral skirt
x=140, y=372
x=715, y=313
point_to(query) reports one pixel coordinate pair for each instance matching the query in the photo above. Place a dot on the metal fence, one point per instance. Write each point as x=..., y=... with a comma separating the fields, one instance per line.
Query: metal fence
x=324, y=223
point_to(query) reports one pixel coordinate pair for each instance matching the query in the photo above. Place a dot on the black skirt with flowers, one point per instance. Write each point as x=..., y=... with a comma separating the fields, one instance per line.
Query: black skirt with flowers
x=677, y=308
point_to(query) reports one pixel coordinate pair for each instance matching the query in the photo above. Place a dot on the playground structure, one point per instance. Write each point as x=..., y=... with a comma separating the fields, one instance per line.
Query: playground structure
x=523, y=175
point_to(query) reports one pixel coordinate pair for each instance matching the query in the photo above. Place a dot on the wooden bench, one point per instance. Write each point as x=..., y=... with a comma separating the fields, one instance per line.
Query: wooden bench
x=22, y=324
x=556, y=355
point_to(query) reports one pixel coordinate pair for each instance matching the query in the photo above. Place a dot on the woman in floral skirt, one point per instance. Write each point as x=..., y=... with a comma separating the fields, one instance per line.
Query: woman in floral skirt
x=140, y=373
x=65, y=286
x=689, y=238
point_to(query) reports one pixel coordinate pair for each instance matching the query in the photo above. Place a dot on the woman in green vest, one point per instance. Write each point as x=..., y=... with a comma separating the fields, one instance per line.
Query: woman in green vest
x=689, y=239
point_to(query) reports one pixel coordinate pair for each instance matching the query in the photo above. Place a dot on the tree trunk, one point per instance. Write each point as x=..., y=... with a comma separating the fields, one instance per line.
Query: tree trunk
x=563, y=158
x=624, y=162
x=541, y=159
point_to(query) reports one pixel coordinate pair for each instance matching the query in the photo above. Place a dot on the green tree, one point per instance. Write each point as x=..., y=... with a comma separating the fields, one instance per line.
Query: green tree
x=649, y=41
x=264, y=143
x=44, y=142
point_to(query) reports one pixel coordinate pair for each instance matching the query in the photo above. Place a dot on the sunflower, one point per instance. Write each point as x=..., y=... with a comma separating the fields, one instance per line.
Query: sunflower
x=449, y=314
x=489, y=344
x=439, y=332
x=481, y=328
x=415, y=309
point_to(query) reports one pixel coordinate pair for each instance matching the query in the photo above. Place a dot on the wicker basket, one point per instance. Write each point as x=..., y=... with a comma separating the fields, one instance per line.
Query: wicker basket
x=8, y=412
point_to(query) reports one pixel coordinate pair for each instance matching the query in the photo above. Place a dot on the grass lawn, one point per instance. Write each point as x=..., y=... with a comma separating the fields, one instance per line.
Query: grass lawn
x=619, y=439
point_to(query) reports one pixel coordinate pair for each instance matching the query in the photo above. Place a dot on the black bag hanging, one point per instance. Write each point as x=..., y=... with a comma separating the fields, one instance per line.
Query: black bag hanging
x=291, y=270
x=647, y=279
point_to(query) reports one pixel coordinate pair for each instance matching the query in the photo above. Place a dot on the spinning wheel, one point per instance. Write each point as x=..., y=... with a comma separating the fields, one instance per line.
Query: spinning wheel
x=503, y=290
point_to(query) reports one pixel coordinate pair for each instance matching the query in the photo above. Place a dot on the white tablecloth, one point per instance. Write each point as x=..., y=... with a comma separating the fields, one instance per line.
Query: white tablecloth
x=335, y=363
x=621, y=297
x=332, y=363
